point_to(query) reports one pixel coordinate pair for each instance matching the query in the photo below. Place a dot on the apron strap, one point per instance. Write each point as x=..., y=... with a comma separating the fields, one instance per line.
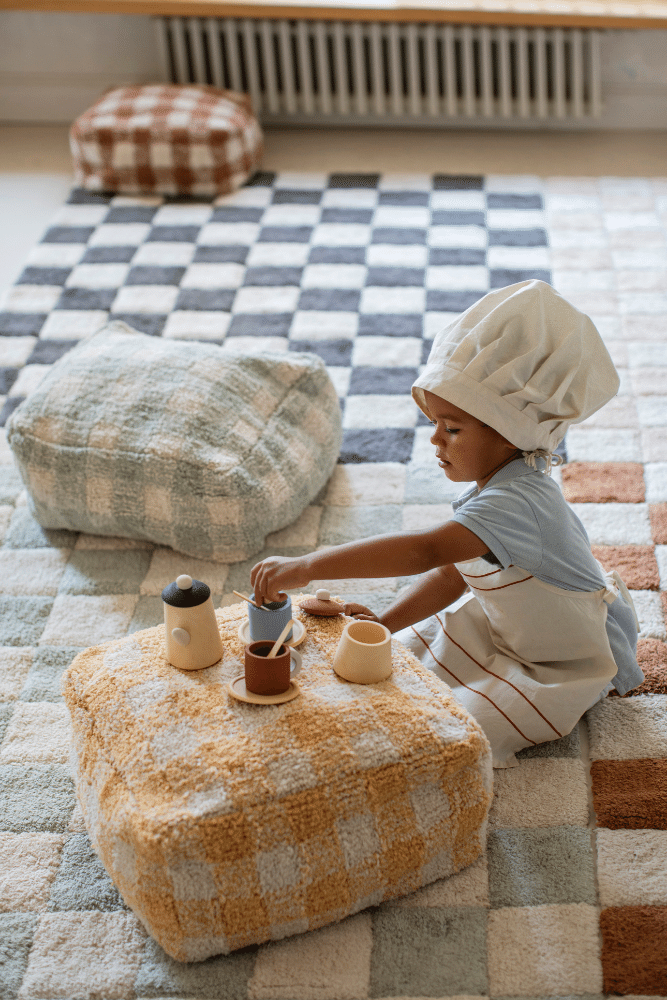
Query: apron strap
x=615, y=585
x=625, y=593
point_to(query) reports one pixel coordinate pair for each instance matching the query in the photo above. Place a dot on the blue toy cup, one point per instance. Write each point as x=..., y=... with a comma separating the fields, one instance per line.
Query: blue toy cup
x=268, y=621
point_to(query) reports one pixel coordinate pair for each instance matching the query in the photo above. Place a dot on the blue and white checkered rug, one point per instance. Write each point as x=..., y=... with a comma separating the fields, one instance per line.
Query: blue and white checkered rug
x=570, y=899
x=358, y=268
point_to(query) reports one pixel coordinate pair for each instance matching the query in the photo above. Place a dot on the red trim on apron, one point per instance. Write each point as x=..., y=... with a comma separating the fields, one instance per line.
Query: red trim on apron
x=487, y=590
x=480, y=576
x=497, y=676
x=474, y=691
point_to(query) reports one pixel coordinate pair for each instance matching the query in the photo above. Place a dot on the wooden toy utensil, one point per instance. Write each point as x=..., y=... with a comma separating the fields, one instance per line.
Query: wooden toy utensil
x=248, y=599
x=279, y=641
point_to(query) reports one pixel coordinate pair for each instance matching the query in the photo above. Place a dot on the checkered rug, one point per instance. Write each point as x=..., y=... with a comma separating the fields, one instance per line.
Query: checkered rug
x=571, y=897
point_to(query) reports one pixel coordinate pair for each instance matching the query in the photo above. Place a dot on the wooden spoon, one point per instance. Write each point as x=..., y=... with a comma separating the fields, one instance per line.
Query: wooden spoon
x=279, y=641
x=248, y=599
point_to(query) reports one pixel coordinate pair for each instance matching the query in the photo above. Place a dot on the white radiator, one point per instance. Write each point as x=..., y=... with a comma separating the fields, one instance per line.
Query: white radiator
x=340, y=72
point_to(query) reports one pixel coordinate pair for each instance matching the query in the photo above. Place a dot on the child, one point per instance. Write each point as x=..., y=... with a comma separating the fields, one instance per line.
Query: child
x=544, y=630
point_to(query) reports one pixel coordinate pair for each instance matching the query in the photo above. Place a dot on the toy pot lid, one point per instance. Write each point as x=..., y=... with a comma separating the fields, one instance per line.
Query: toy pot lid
x=321, y=604
x=186, y=592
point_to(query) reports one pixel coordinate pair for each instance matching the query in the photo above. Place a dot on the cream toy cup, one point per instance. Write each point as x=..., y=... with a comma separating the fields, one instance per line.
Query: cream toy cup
x=363, y=655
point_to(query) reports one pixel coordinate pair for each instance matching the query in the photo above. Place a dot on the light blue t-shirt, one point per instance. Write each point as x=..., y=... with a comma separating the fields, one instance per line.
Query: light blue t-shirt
x=525, y=520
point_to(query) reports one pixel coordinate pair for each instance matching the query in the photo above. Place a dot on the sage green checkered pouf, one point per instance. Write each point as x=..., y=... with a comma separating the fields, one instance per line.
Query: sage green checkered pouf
x=176, y=442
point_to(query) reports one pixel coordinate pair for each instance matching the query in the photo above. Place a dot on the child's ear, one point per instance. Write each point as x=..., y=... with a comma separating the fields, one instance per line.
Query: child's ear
x=507, y=445
x=503, y=441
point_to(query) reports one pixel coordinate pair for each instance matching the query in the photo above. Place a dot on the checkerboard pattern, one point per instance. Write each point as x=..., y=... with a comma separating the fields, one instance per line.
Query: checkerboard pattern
x=167, y=139
x=361, y=269
x=176, y=442
x=570, y=899
x=224, y=825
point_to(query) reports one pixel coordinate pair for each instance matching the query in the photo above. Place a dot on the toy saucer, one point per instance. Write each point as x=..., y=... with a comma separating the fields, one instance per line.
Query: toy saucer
x=298, y=633
x=237, y=689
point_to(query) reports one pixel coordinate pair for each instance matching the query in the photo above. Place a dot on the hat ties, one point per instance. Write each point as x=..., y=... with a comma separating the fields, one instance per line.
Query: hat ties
x=550, y=457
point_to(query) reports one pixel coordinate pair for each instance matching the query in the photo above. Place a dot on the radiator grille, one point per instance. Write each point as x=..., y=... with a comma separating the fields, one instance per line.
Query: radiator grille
x=357, y=71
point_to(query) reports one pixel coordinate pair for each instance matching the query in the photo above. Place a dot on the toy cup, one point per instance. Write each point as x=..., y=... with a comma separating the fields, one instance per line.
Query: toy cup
x=364, y=653
x=267, y=676
x=268, y=621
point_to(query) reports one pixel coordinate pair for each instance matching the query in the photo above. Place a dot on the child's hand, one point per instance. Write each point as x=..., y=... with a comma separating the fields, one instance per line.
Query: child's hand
x=360, y=612
x=276, y=574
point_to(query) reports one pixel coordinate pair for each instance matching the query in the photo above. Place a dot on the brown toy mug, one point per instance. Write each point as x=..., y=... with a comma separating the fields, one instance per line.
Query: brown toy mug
x=264, y=676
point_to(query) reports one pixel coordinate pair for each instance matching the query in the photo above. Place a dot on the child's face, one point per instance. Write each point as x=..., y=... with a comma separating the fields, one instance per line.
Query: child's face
x=467, y=450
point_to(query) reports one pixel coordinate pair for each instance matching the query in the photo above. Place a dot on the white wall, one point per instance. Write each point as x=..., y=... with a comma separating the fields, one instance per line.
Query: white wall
x=53, y=66
x=634, y=78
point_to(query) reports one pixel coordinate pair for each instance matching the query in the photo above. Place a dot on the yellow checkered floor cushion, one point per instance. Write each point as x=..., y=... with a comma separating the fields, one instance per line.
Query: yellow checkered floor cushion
x=225, y=824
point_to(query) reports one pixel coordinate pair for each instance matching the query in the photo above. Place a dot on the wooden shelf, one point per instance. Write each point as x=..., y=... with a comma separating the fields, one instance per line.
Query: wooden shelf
x=628, y=14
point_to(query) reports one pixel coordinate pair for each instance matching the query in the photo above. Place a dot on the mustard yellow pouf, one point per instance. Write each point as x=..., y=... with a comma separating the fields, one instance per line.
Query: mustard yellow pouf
x=226, y=824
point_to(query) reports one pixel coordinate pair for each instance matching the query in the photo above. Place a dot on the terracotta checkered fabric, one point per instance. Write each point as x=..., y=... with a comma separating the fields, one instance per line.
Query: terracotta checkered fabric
x=192, y=140
x=225, y=824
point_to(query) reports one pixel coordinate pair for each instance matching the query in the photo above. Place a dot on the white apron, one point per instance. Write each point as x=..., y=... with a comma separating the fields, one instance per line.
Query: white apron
x=525, y=658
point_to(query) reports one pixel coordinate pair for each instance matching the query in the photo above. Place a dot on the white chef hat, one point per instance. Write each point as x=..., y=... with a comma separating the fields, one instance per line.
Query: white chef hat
x=525, y=362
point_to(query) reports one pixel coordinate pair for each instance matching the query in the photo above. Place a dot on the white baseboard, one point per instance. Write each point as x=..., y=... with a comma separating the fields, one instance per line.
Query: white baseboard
x=59, y=100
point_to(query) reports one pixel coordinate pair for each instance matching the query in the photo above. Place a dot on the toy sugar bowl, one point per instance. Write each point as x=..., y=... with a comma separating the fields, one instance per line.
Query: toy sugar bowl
x=322, y=605
x=192, y=639
x=267, y=621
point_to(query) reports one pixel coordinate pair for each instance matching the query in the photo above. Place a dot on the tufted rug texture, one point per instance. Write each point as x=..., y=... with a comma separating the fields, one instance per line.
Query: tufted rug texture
x=570, y=898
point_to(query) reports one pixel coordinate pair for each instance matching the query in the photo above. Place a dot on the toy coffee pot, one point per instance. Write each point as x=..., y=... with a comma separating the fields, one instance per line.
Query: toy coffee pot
x=192, y=639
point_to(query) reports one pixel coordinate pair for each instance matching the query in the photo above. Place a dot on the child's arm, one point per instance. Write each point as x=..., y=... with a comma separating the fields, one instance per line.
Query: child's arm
x=406, y=554
x=431, y=593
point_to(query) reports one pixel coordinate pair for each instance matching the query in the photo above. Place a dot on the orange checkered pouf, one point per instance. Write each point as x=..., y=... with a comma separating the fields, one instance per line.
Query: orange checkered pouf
x=226, y=824
x=166, y=139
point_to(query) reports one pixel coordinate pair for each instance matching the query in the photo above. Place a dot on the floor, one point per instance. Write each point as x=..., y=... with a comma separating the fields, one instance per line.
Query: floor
x=607, y=230
x=35, y=165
